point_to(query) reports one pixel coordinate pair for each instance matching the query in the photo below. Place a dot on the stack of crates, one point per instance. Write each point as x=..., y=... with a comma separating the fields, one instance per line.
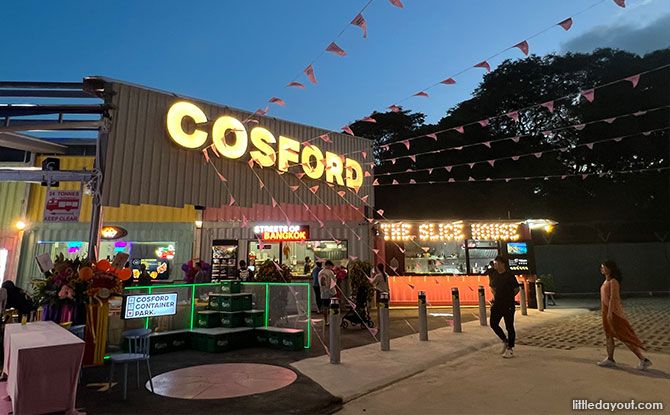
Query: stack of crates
x=280, y=338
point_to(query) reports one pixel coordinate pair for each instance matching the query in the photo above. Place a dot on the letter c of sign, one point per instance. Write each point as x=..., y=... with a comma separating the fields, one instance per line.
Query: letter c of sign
x=175, y=116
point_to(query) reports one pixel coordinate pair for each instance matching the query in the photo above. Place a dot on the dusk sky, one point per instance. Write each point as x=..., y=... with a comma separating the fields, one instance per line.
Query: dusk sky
x=242, y=53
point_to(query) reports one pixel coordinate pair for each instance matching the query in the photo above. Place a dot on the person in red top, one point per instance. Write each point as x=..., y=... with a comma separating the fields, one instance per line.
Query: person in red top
x=615, y=323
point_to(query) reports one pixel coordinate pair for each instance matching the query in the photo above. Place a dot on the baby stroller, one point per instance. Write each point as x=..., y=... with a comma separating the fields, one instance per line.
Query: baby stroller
x=359, y=315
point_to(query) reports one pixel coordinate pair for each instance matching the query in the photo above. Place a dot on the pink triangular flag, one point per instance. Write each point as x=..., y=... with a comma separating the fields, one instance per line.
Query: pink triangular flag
x=406, y=143
x=369, y=119
x=376, y=251
x=421, y=94
x=471, y=179
x=375, y=183
x=359, y=21
x=394, y=108
x=589, y=94
x=245, y=221
x=397, y=3
x=566, y=24
x=365, y=198
x=451, y=180
x=620, y=3
x=549, y=105
x=515, y=158
x=580, y=126
x=538, y=154
x=274, y=202
x=484, y=122
x=221, y=177
x=523, y=47
x=367, y=174
x=294, y=188
x=215, y=151
x=413, y=158
x=364, y=154
x=250, y=163
x=618, y=139
x=232, y=201
x=492, y=162
x=590, y=146
x=300, y=175
x=278, y=101
x=472, y=165
x=448, y=168
x=633, y=80
x=296, y=84
x=584, y=176
x=646, y=133
x=459, y=129
x=430, y=170
x=448, y=81
x=412, y=181
x=507, y=180
x=341, y=193
x=485, y=65
x=262, y=111
x=380, y=212
x=347, y=130
x=487, y=144
x=325, y=138
x=309, y=71
x=335, y=49
x=432, y=135
x=563, y=177
x=314, y=189
x=610, y=120
x=637, y=114
x=548, y=133
x=394, y=182
x=515, y=139
x=205, y=153
x=514, y=115
x=393, y=161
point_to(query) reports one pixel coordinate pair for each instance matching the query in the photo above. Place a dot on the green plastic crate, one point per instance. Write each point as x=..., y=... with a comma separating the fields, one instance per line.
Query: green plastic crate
x=232, y=319
x=214, y=302
x=284, y=338
x=261, y=337
x=231, y=286
x=209, y=319
x=235, y=302
x=222, y=339
x=168, y=341
x=254, y=318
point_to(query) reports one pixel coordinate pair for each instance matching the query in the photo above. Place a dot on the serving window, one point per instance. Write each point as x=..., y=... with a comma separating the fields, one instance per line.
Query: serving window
x=446, y=257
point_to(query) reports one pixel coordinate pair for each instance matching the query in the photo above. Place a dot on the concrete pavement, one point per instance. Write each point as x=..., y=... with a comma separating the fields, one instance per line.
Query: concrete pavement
x=365, y=369
x=537, y=381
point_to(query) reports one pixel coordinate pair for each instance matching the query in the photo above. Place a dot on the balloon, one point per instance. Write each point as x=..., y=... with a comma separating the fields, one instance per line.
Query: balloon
x=124, y=274
x=85, y=273
x=103, y=265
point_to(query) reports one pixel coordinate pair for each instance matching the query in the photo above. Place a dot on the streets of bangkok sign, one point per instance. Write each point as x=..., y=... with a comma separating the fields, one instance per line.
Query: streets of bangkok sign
x=281, y=233
x=231, y=140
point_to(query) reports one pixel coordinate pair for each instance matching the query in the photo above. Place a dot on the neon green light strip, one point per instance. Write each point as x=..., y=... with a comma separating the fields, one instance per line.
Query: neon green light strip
x=192, y=305
x=309, y=317
x=146, y=321
x=267, y=304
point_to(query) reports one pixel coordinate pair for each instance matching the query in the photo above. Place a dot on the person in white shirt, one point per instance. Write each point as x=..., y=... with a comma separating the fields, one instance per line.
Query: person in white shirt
x=327, y=284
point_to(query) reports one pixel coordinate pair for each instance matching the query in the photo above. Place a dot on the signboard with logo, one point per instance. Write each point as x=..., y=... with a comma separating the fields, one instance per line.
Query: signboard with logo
x=282, y=233
x=149, y=305
x=62, y=206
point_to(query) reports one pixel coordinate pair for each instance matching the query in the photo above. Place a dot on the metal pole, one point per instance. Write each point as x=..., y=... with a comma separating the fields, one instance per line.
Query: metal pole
x=539, y=295
x=335, y=331
x=456, y=305
x=524, y=305
x=423, y=317
x=94, y=229
x=482, y=306
x=384, y=321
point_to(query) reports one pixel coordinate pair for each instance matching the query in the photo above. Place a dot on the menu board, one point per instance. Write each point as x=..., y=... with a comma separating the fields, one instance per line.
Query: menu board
x=224, y=259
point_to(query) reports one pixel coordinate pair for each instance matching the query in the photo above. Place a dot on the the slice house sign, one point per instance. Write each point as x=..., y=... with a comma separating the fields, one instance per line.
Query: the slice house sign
x=281, y=233
x=231, y=140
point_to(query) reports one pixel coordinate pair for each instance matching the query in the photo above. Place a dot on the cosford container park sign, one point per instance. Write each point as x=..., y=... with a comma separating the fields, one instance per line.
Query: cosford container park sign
x=184, y=125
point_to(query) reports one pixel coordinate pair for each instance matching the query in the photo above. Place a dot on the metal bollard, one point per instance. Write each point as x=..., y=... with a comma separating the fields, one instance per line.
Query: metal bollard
x=384, y=322
x=334, y=331
x=456, y=305
x=539, y=295
x=524, y=305
x=423, y=317
x=482, y=306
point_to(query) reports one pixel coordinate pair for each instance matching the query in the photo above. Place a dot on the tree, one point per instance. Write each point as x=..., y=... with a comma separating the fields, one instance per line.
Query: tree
x=603, y=196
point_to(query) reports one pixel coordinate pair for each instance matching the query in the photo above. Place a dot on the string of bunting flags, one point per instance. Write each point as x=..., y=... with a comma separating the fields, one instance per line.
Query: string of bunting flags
x=522, y=46
x=525, y=178
x=517, y=138
x=536, y=154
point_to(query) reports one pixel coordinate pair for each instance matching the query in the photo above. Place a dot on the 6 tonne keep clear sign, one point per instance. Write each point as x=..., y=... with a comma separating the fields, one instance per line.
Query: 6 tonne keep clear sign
x=150, y=305
x=62, y=206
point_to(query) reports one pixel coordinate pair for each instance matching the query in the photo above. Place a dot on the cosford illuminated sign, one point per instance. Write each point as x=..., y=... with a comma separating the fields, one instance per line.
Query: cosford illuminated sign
x=151, y=305
x=282, y=233
x=231, y=140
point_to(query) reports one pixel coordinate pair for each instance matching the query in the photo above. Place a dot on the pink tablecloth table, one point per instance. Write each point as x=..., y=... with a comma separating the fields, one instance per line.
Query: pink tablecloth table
x=43, y=368
x=11, y=329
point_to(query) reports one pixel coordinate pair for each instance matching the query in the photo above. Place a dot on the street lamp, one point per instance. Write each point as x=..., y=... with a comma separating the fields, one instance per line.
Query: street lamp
x=21, y=225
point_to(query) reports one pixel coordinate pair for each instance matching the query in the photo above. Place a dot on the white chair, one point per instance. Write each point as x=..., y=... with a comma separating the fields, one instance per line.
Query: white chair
x=138, y=351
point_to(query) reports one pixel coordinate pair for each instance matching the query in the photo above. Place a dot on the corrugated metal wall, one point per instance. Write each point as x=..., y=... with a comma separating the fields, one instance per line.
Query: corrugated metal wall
x=230, y=230
x=143, y=166
x=123, y=213
x=12, y=199
x=181, y=233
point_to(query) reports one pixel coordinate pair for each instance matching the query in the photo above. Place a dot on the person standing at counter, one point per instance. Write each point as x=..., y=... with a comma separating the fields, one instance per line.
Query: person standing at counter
x=244, y=273
x=315, y=283
x=144, y=279
x=504, y=287
x=327, y=284
x=308, y=266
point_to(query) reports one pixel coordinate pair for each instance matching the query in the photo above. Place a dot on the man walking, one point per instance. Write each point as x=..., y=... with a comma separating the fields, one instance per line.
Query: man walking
x=504, y=287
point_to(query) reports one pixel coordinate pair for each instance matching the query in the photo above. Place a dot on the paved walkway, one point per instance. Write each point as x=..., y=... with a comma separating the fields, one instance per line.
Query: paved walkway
x=366, y=368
